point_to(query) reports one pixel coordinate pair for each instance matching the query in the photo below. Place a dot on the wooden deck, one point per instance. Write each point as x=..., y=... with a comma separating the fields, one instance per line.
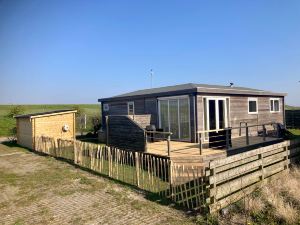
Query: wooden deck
x=187, y=150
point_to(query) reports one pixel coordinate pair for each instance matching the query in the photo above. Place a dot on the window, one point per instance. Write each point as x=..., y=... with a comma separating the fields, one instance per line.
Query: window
x=105, y=107
x=252, y=105
x=130, y=108
x=274, y=105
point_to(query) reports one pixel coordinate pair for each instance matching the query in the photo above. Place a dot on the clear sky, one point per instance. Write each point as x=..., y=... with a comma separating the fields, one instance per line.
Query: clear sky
x=60, y=51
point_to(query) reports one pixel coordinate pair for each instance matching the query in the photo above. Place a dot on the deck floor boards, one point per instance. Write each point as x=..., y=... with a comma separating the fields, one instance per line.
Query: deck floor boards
x=191, y=150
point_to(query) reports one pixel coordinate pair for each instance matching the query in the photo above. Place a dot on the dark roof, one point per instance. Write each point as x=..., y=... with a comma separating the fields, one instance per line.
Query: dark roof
x=199, y=88
x=45, y=113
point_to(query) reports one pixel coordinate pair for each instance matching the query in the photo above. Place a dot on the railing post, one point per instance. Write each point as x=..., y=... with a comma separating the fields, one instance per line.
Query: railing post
x=200, y=142
x=227, y=138
x=240, y=131
x=168, y=142
x=264, y=132
x=247, y=135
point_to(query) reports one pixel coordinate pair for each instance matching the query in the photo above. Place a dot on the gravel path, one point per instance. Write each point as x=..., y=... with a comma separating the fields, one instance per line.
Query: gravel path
x=41, y=190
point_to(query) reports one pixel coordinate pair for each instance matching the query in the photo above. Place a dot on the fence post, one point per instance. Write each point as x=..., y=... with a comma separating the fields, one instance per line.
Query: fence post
x=247, y=135
x=171, y=178
x=168, y=142
x=146, y=141
x=200, y=143
x=137, y=167
x=109, y=161
x=74, y=152
x=214, y=186
x=261, y=157
x=287, y=157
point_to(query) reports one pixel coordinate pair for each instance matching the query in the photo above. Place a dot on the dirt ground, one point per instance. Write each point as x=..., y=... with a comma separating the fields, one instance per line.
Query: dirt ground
x=37, y=189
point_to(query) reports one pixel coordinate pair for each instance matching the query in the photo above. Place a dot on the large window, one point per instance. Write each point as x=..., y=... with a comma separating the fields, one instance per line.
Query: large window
x=130, y=108
x=174, y=116
x=252, y=105
x=274, y=105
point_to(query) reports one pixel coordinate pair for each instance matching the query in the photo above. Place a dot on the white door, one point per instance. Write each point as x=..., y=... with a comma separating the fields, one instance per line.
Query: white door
x=216, y=113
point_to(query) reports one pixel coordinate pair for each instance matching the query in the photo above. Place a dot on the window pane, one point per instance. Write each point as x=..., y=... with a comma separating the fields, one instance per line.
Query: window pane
x=174, y=126
x=184, y=118
x=252, y=106
x=276, y=105
x=212, y=115
x=164, y=117
x=272, y=105
x=130, y=108
x=221, y=114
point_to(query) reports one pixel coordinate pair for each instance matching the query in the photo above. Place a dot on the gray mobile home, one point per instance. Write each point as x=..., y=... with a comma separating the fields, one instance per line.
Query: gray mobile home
x=189, y=108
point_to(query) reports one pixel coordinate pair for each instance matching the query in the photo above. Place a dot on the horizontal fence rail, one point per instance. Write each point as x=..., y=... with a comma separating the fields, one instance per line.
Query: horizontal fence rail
x=234, y=177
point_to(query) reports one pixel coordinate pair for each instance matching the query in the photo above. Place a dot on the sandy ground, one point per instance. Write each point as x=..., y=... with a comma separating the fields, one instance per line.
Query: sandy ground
x=36, y=189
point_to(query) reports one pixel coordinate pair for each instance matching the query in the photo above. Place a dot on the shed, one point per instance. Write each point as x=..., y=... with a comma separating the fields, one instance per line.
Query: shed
x=56, y=124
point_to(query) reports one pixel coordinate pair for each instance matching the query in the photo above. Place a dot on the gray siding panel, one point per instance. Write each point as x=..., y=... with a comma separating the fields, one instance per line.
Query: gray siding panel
x=239, y=111
x=125, y=134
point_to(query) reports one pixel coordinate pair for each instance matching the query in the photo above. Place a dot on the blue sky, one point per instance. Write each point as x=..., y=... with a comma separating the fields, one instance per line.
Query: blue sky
x=78, y=51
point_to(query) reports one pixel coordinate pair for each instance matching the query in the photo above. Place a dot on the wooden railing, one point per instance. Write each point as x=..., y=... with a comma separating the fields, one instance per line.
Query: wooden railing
x=158, y=136
x=222, y=138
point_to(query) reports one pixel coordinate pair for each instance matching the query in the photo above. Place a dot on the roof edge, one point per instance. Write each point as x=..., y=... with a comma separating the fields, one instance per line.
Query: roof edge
x=43, y=114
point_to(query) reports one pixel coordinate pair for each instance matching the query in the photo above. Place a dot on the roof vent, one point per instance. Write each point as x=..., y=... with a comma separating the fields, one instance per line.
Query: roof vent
x=231, y=84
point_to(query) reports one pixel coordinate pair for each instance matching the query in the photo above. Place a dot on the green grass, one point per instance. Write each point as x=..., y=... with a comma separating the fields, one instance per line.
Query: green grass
x=7, y=123
x=289, y=107
x=295, y=131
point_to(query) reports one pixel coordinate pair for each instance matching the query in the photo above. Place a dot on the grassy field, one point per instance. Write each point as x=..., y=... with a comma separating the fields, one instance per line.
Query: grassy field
x=288, y=107
x=7, y=122
x=36, y=189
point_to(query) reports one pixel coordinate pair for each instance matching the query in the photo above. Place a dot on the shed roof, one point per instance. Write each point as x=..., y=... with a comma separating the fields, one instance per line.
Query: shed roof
x=198, y=88
x=49, y=113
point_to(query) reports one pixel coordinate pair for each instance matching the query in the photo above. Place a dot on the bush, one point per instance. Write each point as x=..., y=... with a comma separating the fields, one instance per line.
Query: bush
x=16, y=110
x=80, y=111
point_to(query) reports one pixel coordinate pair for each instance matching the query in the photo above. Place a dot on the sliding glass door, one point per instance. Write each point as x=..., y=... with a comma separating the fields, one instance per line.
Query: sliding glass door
x=174, y=116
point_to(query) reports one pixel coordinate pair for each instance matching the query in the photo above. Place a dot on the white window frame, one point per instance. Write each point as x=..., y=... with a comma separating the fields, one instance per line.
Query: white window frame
x=227, y=111
x=105, y=107
x=253, y=100
x=274, y=99
x=128, y=104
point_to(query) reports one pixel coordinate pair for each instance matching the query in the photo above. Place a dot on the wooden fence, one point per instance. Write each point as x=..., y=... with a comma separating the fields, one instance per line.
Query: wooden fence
x=234, y=177
x=292, y=119
x=224, y=182
x=153, y=173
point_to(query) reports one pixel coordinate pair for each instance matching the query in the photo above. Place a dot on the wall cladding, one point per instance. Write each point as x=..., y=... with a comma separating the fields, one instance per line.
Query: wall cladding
x=125, y=133
x=238, y=111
